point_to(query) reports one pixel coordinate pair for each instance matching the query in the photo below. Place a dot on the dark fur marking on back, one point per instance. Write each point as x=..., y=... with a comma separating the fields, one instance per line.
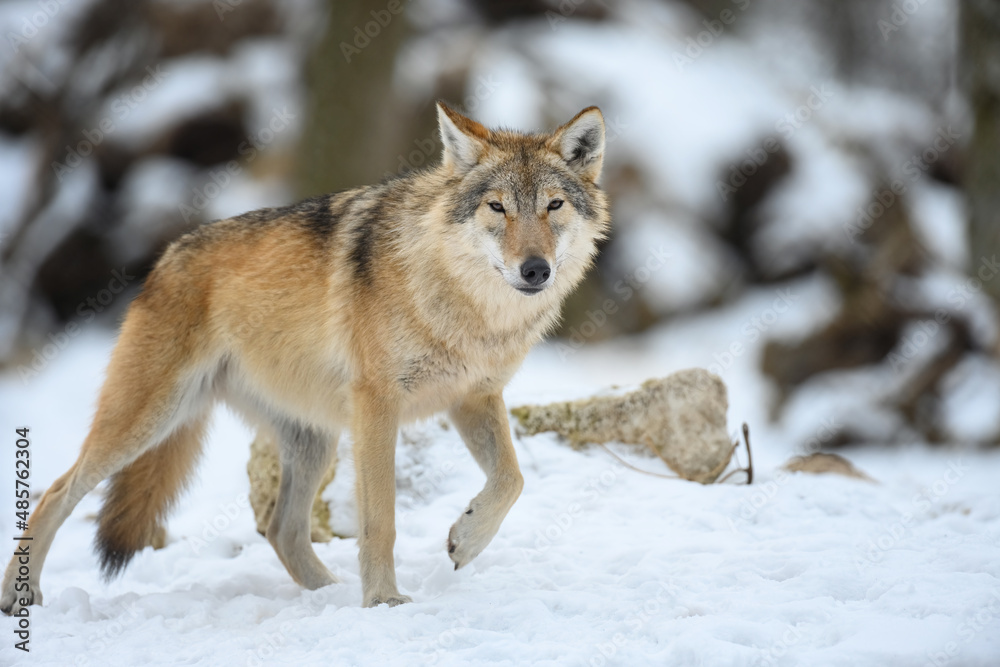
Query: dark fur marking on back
x=364, y=237
x=316, y=214
x=323, y=217
x=319, y=215
x=259, y=216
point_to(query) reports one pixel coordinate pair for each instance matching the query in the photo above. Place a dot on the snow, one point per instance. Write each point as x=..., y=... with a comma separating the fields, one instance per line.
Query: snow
x=17, y=160
x=813, y=207
x=268, y=71
x=680, y=273
x=689, y=101
x=939, y=218
x=595, y=565
x=261, y=71
x=682, y=124
x=970, y=392
x=50, y=228
x=182, y=88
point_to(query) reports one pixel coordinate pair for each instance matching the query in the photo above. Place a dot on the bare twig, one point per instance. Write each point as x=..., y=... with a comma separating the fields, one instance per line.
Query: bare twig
x=749, y=469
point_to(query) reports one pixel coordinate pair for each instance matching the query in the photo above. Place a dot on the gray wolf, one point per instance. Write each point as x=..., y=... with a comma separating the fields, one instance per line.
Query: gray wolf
x=369, y=308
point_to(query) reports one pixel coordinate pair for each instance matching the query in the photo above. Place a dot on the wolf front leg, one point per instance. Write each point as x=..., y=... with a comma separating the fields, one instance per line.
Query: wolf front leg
x=482, y=422
x=375, y=422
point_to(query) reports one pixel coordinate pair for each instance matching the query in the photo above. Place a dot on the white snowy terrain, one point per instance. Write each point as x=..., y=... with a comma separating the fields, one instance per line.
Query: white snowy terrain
x=595, y=565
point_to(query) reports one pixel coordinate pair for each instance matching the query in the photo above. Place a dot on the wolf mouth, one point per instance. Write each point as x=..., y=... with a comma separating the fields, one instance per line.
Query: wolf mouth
x=528, y=290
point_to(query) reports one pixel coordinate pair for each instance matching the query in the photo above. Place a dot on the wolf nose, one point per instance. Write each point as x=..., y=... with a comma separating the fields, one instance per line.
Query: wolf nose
x=535, y=271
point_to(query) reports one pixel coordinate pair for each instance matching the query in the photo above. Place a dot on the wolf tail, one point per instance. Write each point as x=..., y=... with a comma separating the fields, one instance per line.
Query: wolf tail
x=140, y=496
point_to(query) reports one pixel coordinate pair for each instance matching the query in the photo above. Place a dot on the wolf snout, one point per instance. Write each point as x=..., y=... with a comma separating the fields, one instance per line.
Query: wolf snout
x=535, y=272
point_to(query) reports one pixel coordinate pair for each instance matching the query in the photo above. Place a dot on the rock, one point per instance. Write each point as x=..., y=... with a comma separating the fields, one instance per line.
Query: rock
x=681, y=417
x=264, y=470
x=820, y=463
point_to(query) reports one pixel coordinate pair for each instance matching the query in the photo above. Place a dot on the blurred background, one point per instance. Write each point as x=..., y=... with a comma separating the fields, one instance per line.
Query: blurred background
x=802, y=190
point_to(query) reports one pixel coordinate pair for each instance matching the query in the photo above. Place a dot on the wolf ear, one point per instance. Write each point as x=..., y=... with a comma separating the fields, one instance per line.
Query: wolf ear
x=580, y=142
x=464, y=139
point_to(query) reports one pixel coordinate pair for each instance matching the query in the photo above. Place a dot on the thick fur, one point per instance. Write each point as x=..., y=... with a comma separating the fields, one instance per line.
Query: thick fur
x=363, y=309
x=134, y=508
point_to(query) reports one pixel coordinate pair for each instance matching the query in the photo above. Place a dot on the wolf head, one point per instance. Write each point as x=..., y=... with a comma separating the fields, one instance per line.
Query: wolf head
x=524, y=208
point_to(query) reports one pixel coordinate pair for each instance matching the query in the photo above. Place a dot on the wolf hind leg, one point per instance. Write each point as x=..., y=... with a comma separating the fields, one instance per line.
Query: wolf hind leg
x=305, y=455
x=155, y=388
x=482, y=423
x=137, y=411
x=21, y=585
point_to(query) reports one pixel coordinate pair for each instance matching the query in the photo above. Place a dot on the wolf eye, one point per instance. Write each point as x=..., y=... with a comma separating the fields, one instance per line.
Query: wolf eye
x=497, y=206
x=555, y=203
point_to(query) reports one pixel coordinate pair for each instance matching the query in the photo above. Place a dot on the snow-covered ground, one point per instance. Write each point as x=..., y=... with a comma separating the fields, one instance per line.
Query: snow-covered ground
x=595, y=565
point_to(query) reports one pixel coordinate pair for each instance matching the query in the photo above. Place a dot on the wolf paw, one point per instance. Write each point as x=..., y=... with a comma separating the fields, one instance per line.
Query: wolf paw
x=13, y=601
x=469, y=536
x=391, y=600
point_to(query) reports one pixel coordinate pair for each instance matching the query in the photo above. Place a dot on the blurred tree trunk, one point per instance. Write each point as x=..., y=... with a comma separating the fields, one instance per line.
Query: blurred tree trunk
x=980, y=28
x=350, y=133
